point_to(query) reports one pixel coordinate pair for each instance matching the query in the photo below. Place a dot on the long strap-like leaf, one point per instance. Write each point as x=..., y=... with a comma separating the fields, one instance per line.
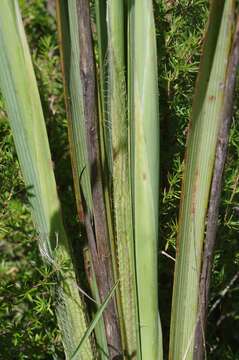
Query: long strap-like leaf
x=120, y=165
x=215, y=196
x=201, y=147
x=80, y=84
x=19, y=88
x=144, y=124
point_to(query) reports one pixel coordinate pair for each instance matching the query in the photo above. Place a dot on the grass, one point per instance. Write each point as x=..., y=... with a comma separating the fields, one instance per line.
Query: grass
x=27, y=326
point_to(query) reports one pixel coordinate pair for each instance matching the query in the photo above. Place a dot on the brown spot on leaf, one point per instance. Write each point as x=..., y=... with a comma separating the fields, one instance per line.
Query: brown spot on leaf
x=212, y=98
x=81, y=214
x=195, y=187
x=51, y=164
x=115, y=153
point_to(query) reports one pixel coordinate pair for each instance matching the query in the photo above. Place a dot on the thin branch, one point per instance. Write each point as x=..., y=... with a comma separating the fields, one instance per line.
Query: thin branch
x=224, y=292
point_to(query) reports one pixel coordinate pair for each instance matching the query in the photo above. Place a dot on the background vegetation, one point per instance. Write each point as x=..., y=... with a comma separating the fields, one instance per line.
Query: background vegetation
x=27, y=323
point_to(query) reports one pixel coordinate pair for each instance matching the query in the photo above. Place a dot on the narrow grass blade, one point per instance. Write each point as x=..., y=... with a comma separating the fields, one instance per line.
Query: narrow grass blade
x=19, y=88
x=144, y=122
x=102, y=51
x=98, y=315
x=121, y=197
x=100, y=12
x=201, y=147
x=101, y=341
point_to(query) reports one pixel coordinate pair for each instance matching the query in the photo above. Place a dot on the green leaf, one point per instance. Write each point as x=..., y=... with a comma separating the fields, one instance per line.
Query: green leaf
x=101, y=341
x=144, y=127
x=93, y=323
x=120, y=165
x=19, y=88
x=199, y=162
x=80, y=87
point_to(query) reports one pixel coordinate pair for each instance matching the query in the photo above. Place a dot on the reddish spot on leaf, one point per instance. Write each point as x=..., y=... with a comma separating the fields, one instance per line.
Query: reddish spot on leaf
x=212, y=98
x=195, y=187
